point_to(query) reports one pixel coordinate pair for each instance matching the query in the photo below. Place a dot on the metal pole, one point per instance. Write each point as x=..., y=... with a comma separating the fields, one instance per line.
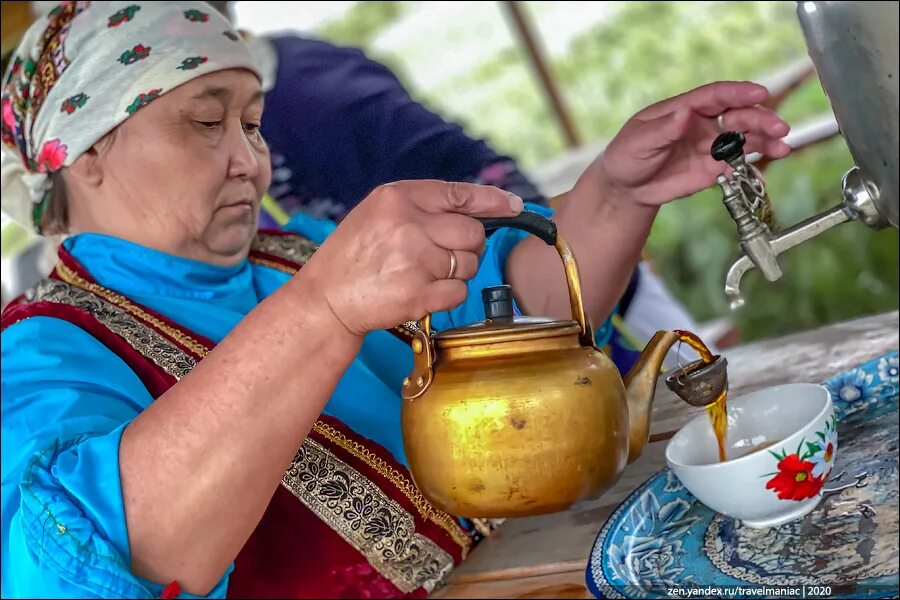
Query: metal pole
x=16, y=17
x=524, y=31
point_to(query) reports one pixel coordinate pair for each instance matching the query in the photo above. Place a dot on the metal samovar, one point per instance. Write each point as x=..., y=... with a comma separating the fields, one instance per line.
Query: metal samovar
x=854, y=47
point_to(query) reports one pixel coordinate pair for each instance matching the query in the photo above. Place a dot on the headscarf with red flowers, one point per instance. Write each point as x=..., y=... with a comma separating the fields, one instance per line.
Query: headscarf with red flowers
x=86, y=67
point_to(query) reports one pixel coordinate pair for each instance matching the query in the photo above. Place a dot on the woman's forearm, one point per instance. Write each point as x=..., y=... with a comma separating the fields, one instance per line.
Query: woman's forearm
x=606, y=233
x=200, y=465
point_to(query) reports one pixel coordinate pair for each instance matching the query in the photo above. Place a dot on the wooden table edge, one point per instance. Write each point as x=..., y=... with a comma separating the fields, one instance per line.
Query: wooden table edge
x=523, y=572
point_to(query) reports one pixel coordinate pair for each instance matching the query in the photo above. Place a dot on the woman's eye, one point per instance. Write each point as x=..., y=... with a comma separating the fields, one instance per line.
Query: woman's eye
x=209, y=124
x=251, y=128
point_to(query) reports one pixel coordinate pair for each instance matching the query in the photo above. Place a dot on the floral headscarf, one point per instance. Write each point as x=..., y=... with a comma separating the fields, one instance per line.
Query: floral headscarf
x=84, y=68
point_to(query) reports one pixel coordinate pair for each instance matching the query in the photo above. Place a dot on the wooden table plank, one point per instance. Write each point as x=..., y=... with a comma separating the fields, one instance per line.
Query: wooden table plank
x=547, y=554
x=568, y=584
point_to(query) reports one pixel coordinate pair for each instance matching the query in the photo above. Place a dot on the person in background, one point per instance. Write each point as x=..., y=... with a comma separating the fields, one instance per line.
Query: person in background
x=340, y=124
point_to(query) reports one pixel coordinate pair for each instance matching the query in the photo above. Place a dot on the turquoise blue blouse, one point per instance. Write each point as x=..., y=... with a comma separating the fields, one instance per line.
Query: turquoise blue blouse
x=66, y=399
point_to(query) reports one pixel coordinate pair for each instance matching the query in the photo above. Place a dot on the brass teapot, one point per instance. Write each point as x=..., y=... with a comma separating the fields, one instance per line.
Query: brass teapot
x=517, y=416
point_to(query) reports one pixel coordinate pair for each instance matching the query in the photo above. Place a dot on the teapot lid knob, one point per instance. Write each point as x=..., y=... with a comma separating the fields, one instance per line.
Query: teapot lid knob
x=497, y=302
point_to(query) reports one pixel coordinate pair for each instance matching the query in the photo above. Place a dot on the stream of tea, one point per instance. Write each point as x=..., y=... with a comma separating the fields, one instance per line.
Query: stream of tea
x=718, y=414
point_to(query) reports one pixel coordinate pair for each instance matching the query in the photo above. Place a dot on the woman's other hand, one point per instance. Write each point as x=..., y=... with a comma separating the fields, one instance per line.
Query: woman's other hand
x=660, y=154
x=663, y=152
x=390, y=260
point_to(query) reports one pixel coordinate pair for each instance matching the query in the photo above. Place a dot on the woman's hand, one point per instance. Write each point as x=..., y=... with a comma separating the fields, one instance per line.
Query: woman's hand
x=389, y=261
x=663, y=152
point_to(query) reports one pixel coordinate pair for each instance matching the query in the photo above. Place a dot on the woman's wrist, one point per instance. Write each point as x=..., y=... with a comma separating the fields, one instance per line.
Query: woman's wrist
x=595, y=200
x=315, y=317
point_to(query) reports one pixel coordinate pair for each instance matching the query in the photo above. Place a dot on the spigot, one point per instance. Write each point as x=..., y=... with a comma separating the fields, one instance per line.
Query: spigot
x=785, y=240
x=744, y=195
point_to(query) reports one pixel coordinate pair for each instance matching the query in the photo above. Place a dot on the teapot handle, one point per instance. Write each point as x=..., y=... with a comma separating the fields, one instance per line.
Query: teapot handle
x=545, y=229
x=527, y=221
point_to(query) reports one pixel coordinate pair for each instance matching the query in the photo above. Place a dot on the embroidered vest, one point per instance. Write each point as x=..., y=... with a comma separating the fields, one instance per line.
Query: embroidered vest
x=346, y=521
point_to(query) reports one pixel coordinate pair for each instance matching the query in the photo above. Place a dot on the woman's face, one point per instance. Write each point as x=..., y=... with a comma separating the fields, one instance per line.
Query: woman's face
x=184, y=175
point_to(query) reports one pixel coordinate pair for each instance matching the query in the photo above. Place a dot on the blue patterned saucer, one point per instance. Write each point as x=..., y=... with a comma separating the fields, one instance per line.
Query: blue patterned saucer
x=661, y=537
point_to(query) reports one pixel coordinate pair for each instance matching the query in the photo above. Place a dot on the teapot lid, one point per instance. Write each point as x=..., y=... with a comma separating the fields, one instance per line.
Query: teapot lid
x=501, y=323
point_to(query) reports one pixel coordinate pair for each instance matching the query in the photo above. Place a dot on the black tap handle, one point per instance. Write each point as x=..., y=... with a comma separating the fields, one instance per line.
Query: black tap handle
x=729, y=146
x=533, y=223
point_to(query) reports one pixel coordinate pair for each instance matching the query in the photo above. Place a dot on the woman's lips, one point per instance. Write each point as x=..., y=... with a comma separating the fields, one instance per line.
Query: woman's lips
x=241, y=205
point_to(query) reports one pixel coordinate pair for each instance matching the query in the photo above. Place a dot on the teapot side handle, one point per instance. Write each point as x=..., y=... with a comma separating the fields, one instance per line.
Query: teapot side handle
x=422, y=374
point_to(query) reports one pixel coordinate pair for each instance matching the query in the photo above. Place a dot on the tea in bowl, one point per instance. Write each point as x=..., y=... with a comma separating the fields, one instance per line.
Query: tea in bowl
x=780, y=449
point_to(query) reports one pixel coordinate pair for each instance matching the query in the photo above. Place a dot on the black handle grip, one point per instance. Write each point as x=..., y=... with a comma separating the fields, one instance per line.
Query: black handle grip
x=533, y=223
x=729, y=146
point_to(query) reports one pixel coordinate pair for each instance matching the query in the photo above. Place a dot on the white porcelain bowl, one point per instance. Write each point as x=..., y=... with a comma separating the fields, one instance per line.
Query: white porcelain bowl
x=768, y=487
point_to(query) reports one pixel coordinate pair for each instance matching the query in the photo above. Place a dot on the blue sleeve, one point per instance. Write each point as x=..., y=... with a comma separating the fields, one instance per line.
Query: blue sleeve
x=66, y=400
x=490, y=271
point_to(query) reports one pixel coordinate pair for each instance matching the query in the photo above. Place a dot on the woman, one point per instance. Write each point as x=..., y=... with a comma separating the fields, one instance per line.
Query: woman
x=156, y=389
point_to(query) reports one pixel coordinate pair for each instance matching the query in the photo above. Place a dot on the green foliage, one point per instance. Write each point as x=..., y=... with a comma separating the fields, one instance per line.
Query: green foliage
x=646, y=51
x=362, y=22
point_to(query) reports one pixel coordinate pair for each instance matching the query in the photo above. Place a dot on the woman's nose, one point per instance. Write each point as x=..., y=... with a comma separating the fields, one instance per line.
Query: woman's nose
x=244, y=160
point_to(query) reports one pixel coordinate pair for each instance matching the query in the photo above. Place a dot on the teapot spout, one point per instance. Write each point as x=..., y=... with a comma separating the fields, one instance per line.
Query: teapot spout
x=640, y=387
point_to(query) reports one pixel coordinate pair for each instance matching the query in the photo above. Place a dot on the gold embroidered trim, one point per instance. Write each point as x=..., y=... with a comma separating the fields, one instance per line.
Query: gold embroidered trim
x=409, y=328
x=367, y=518
x=294, y=248
x=149, y=342
x=272, y=265
x=425, y=508
x=71, y=277
x=487, y=527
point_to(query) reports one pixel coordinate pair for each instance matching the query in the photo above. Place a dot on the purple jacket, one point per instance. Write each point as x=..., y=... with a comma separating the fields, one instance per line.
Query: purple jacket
x=339, y=125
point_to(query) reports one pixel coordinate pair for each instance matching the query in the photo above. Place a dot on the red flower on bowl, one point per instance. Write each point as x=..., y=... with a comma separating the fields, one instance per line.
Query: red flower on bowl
x=794, y=479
